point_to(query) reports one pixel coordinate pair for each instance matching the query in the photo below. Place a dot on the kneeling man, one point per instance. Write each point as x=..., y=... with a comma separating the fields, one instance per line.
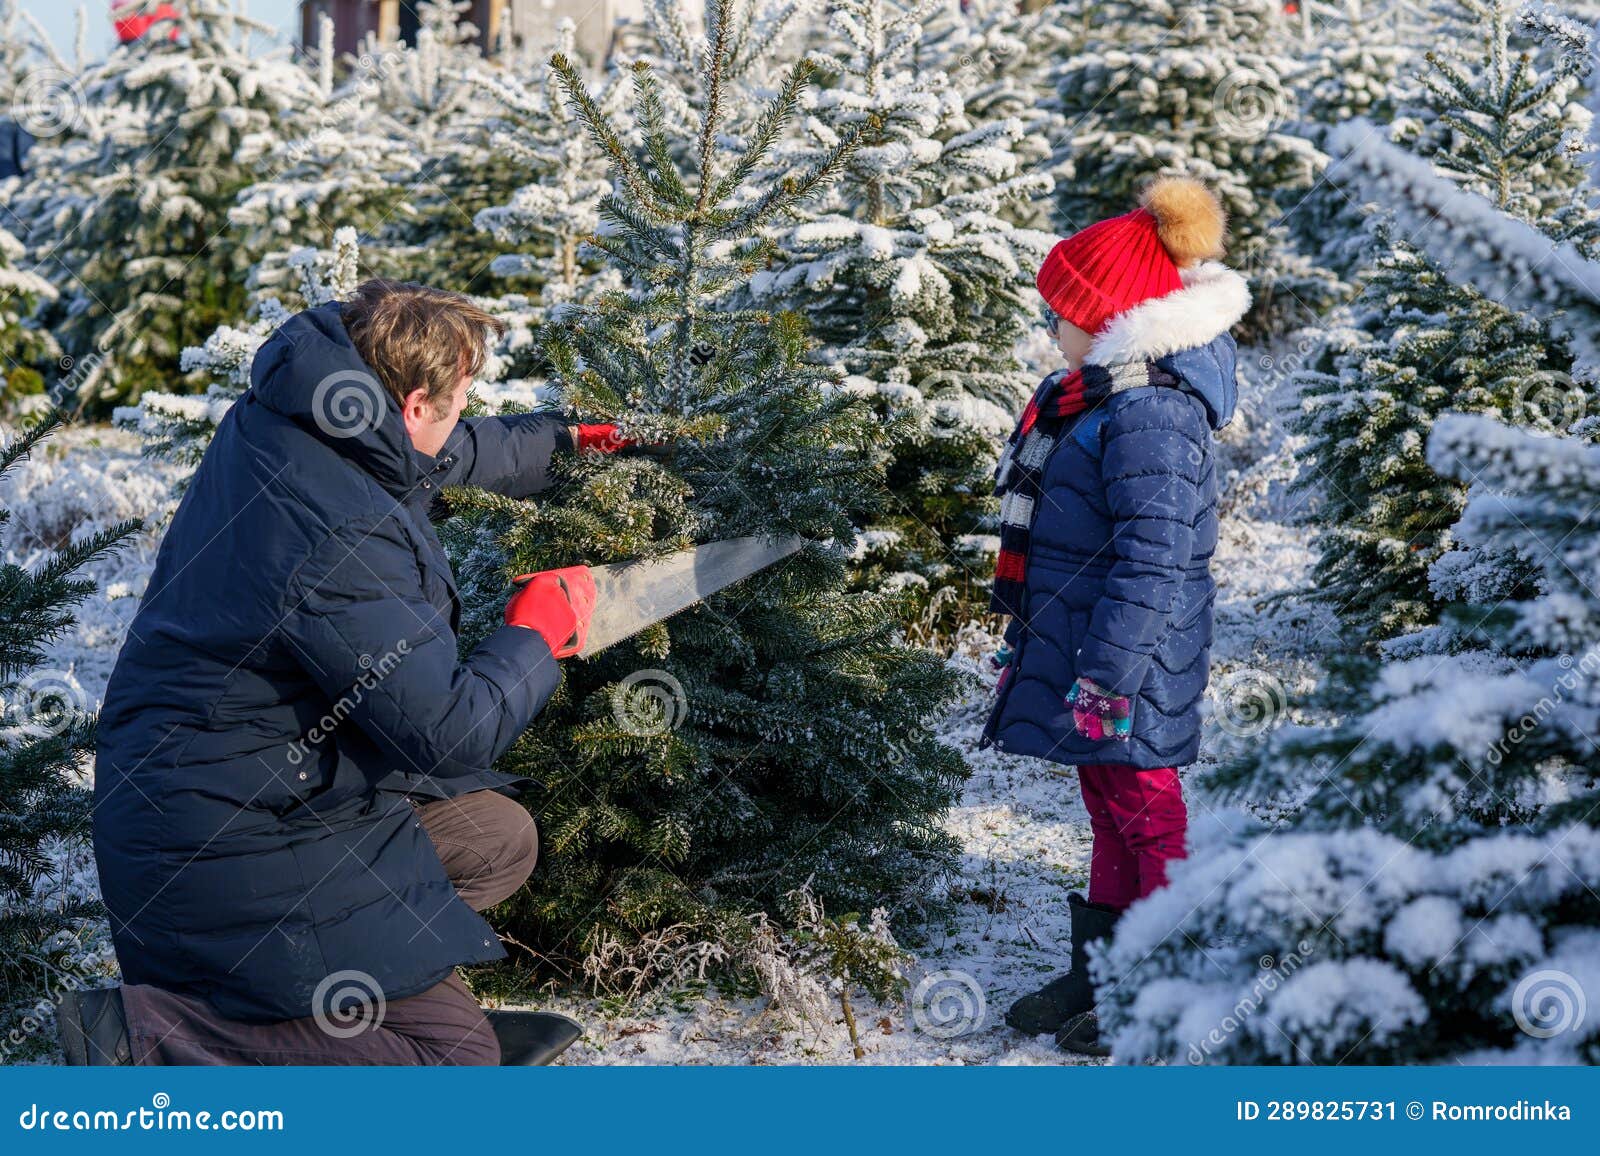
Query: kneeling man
x=295, y=822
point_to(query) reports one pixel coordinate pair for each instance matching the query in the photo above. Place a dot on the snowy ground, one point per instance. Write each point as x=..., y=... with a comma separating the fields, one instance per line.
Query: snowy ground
x=1021, y=821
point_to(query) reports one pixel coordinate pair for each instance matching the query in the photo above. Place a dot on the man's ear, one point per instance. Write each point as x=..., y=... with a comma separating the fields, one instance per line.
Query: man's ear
x=416, y=410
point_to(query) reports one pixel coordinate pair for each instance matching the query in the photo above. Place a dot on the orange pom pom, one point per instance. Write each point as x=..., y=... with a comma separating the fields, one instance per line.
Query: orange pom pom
x=1189, y=219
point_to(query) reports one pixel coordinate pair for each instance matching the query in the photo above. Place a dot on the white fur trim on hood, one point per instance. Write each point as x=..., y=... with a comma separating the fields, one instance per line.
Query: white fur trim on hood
x=1211, y=302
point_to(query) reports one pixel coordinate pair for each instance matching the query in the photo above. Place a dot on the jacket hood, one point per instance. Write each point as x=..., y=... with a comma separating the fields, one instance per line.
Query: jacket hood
x=1186, y=333
x=309, y=372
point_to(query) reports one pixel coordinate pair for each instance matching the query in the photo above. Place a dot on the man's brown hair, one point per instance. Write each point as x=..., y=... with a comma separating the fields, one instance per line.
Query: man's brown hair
x=416, y=337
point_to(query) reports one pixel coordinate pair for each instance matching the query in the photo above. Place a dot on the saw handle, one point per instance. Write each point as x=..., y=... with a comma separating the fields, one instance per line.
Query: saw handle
x=530, y=606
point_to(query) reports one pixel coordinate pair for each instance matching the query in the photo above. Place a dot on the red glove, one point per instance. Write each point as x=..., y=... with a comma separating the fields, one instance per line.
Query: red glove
x=602, y=438
x=556, y=603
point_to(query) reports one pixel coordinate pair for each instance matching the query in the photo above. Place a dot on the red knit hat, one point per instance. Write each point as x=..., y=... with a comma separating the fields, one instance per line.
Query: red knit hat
x=1115, y=264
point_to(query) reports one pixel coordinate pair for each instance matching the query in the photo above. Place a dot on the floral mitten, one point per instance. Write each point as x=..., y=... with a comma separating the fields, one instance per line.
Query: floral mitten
x=1097, y=713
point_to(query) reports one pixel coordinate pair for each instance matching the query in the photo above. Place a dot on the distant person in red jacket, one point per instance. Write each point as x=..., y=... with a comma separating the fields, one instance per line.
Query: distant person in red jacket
x=133, y=18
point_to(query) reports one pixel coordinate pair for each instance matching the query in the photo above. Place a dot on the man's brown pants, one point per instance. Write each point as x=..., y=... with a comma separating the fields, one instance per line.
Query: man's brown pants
x=488, y=845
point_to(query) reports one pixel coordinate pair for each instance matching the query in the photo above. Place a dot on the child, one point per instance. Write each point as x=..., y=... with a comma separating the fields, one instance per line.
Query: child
x=1109, y=520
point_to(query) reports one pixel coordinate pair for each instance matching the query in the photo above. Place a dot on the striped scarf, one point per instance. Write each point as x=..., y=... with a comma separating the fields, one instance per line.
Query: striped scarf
x=1060, y=396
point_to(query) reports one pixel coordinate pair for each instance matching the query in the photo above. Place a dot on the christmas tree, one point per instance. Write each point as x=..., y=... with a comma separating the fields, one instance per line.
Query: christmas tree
x=916, y=282
x=340, y=160
x=24, y=345
x=549, y=217
x=779, y=731
x=131, y=207
x=1360, y=53
x=178, y=427
x=1500, y=113
x=1168, y=88
x=1423, y=345
x=1427, y=340
x=1429, y=900
x=46, y=734
x=435, y=95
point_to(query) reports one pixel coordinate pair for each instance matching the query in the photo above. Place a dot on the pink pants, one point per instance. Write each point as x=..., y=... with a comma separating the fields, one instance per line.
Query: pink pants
x=1139, y=820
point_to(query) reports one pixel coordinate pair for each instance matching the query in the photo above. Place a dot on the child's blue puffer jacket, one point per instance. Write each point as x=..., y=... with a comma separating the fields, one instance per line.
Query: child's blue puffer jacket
x=1118, y=581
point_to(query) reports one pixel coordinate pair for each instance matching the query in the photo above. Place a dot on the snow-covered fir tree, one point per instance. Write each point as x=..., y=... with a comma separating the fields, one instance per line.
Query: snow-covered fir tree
x=1424, y=340
x=1430, y=900
x=1207, y=90
x=435, y=95
x=128, y=213
x=341, y=160
x=1420, y=345
x=1001, y=56
x=25, y=346
x=1500, y=113
x=1360, y=54
x=778, y=732
x=178, y=427
x=549, y=217
x=46, y=736
x=915, y=281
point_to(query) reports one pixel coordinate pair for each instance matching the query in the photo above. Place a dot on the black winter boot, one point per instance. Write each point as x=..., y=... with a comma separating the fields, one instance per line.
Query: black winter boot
x=93, y=1029
x=530, y=1039
x=1051, y=1007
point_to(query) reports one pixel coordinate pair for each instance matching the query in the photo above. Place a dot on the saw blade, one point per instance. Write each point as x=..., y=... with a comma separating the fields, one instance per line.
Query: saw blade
x=632, y=595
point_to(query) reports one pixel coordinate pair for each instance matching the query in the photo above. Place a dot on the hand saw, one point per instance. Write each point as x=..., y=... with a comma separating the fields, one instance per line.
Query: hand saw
x=630, y=596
